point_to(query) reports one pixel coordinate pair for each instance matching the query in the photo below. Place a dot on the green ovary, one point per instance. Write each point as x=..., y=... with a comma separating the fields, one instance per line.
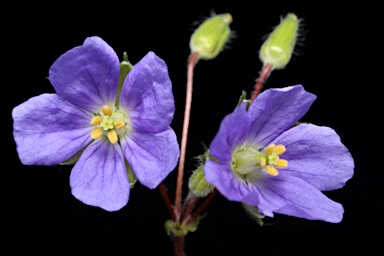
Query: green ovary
x=246, y=163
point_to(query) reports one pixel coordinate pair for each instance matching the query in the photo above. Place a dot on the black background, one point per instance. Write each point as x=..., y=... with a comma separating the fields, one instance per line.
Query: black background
x=46, y=219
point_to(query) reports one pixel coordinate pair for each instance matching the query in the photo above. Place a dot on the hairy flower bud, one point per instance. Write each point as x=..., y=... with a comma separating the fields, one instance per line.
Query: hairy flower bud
x=210, y=37
x=198, y=185
x=278, y=48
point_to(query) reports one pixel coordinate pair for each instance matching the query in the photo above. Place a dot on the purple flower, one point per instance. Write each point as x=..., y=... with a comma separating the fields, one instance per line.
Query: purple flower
x=263, y=160
x=51, y=128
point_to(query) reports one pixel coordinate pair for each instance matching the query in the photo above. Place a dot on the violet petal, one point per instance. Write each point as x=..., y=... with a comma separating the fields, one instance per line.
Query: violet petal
x=276, y=110
x=147, y=95
x=316, y=155
x=293, y=196
x=151, y=156
x=99, y=177
x=233, y=132
x=49, y=130
x=87, y=75
x=222, y=177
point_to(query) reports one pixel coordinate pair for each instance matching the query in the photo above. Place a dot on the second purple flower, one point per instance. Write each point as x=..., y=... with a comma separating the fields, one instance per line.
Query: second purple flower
x=260, y=158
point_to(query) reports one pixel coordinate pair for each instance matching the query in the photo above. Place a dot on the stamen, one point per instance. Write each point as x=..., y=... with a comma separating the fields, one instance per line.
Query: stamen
x=279, y=149
x=112, y=136
x=281, y=163
x=96, y=120
x=107, y=110
x=263, y=161
x=119, y=124
x=96, y=133
x=271, y=170
x=269, y=149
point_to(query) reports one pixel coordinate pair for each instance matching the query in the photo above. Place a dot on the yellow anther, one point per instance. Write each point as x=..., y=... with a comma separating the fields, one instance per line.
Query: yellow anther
x=281, y=163
x=263, y=161
x=96, y=120
x=107, y=110
x=279, y=149
x=119, y=124
x=269, y=149
x=96, y=133
x=271, y=170
x=112, y=136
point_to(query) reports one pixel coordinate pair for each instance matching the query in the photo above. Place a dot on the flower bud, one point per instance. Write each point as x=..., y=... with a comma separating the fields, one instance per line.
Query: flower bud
x=278, y=48
x=210, y=37
x=197, y=183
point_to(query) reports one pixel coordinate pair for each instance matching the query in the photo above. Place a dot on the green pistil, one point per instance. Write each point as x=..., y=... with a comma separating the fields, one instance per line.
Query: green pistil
x=273, y=158
x=107, y=123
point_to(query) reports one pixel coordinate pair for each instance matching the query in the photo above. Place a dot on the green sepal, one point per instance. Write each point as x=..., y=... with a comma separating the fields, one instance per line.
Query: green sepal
x=73, y=159
x=243, y=98
x=131, y=176
x=297, y=123
x=203, y=157
x=125, y=67
x=176, y=229
x=254, y=213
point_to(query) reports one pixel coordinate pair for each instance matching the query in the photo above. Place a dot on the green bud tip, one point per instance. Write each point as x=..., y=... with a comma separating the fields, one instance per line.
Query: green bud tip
x=278, y=48
x=210, y=37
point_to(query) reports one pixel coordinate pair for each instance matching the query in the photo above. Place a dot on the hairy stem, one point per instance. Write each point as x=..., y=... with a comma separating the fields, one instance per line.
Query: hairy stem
x=188, y=207
x=179, y=245
x=167, y=200
x=202, y=207
x=266, y=70
x=188, y=102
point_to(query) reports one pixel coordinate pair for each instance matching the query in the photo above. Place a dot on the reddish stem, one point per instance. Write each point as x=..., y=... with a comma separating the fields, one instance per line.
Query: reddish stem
x=179, y=245
x=266, y=70
x=188, y=207
x=202, y=207
x=167, y=201
x=188, y=102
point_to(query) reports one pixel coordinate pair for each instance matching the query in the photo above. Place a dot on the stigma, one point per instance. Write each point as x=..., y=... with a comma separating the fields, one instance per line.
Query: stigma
x=110, y=123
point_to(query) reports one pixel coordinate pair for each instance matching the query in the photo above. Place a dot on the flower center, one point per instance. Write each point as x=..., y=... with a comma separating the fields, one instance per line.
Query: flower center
x=249, y=162
x=110, y=123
